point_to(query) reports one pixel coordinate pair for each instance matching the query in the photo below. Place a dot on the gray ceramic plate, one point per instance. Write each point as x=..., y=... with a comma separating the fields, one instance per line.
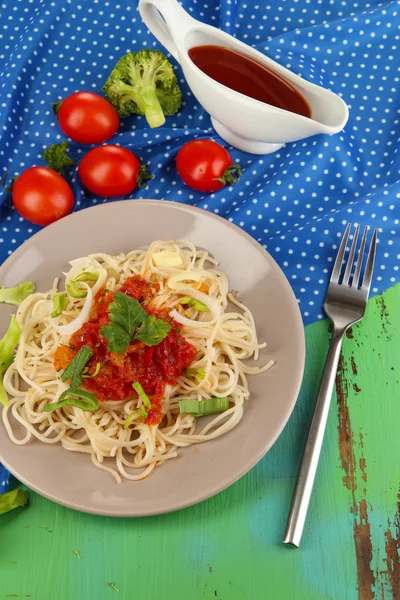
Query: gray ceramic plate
x=202, y=470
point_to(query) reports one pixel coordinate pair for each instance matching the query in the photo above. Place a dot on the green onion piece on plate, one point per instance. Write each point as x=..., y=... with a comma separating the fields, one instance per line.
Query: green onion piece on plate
x=75, y=291
x=196, y=373
x=96, y=372
x=140, y=412
x=75, y=367
x=87, y=276
x=202, y=408
x=196, y=304
x=78, y=398
x=142, y=395
x=60, y=303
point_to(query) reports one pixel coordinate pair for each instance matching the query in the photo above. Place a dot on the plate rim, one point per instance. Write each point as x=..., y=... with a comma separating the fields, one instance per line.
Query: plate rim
x=298, y=332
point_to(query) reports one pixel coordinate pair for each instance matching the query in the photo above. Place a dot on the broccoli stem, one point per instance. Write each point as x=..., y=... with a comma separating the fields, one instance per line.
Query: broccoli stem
x=146, y=98
x=151, y=107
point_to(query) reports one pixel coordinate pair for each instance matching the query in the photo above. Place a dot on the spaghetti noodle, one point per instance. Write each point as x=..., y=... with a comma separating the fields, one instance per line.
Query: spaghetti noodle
x=188, y=288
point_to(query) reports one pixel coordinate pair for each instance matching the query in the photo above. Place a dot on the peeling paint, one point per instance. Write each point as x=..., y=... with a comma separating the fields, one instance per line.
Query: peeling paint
x=361, y=524
x=384, y=315
x=353, y=366
x=362, y=468
x=392, y=548
x=346, y=441
x=363, y=545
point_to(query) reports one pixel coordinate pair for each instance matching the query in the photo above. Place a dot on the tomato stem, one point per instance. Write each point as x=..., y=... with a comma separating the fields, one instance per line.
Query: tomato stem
x=143, y=176
x=12, y=180
x=56, y=106
x=231, y=175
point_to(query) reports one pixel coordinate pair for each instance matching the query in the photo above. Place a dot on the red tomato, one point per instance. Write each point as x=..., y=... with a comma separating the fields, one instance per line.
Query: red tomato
x=87, y=118
x=42, y=196
x=201, y=163
x=111, y=171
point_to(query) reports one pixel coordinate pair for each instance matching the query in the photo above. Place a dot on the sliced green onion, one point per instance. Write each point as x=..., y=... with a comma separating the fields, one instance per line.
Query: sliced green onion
x=60, y=302
x=196, y=304
x=140, y=412
x=141, y=393
x=78, y=398
x=87, y=276
x=75, y=367
x=202, y=408
x=75, y=291
x=96, y=371
x=196, y=373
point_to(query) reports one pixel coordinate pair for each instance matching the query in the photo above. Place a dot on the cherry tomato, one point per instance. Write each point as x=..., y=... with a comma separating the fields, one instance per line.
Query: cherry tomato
x=42, y=196
x=87, y=118
x=206, y=166
x=111, y=171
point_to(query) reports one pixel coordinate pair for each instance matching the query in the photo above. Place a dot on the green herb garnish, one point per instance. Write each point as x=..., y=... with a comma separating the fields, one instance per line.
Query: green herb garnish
x=143, y=410
x=152, y=331
x=75, y=291
x=13, y=499
x=142, y=394
x=60, y=303
x=140, y=412
x=96, y=372
x=196, y=373
x=196, y=304
x=87, y=276
x=75, y=367
x=202, y=408
x=15, y=295
x=72, y=397
x=126, y=314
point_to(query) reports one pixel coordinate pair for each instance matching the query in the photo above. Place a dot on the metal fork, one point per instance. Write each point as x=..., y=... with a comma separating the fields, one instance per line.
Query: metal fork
x=345, y=304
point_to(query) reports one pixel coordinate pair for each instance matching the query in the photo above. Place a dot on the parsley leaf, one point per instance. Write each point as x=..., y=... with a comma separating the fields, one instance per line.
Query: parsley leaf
x=127, y=312
x=152, y=331
x=75, y=367
x=118, y=338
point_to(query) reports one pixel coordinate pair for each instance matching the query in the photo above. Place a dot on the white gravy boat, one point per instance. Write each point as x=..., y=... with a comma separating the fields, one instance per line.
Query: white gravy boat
x=245, y=123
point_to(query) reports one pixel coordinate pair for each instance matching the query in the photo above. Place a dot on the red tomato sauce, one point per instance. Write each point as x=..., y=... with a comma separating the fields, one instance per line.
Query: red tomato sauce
x=152, y=366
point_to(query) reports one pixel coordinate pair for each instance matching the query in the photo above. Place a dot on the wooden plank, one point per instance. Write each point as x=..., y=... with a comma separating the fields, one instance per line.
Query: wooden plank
x=229, y=547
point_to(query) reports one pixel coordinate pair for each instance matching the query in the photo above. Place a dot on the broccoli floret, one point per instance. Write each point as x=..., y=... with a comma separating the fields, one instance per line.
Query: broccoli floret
x=144, y=83
x=57, y=158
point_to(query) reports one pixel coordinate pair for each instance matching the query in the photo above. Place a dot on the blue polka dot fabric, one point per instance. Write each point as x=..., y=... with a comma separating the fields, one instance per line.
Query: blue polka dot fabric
x=295, y=202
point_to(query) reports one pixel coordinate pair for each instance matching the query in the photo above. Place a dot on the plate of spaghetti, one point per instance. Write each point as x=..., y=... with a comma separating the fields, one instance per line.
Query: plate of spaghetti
x=154, y=357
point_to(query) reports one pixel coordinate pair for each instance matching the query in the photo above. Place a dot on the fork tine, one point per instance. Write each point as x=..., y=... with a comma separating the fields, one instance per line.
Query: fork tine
x=357, y=272
x=369, y=267
x=350, y=260
x=337, y=267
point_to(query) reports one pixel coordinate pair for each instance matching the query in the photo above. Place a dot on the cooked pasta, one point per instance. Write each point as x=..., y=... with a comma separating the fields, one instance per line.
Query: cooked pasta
x=177, y=283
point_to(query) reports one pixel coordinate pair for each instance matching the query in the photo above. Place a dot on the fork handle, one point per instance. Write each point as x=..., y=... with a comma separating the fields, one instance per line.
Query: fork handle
x=309, y=464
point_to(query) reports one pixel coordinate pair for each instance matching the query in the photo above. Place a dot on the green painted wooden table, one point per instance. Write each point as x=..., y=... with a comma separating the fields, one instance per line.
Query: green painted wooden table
x=230, y=546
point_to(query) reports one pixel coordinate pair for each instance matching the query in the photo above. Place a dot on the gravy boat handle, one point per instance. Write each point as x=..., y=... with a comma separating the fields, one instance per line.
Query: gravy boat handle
x=167, y=21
